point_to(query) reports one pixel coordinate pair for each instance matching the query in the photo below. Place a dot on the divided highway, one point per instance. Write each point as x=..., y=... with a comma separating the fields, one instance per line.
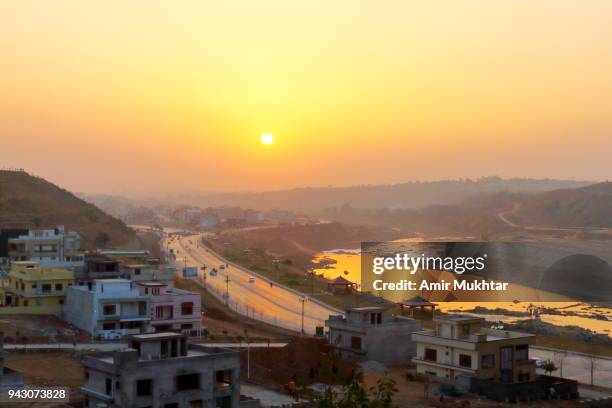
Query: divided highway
x=247, y=292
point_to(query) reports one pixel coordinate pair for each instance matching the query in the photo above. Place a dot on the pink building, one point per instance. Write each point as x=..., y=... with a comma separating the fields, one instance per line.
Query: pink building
x=172, y=309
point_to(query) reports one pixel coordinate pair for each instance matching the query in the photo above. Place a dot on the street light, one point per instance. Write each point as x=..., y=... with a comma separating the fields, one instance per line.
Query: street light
x=303, y=300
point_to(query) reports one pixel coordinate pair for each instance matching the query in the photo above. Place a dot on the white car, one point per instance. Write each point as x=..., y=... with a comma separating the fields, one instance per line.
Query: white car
x=538, y=362
x=251, y=279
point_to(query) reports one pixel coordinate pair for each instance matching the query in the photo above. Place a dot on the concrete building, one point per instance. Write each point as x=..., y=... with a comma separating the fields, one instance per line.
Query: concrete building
x=5, y=235
x=172, y=309
x=489, y=362
x=35, y=289
x=372, y=333
x=50, y=247
x=143, y=272
x=108, y=308
x=162, y=370
x=8, y=378
x=459, y=344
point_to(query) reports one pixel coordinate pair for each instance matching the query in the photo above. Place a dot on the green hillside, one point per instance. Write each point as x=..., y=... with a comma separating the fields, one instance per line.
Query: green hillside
x=28, y=201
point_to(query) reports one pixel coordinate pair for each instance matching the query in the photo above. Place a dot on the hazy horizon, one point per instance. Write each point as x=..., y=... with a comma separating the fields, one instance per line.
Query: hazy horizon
x=139, y=96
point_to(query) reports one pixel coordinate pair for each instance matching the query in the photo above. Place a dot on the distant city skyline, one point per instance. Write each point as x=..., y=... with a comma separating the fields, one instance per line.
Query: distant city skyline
x=272, y=95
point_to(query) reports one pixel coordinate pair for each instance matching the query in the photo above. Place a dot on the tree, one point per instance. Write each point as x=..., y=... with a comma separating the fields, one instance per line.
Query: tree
x=383, y=392
x=549, y=366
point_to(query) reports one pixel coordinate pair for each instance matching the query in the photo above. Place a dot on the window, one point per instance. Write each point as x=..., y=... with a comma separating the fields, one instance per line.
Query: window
x=59, y=287
x=506, y=362
x=356, y=343
x=110, y=310
x=465, y=329
x=142, y=308
x=172, y=405
x=465, y=360
x=137, y=271
x=109, y=387
x=187, y=382
x=187, y=308
x=25, y=302
x=33, y=286
x=488, y=361
x=186, y=326
x=144, y=388
x=108, y=326
x=431, y=354
x=522, y=352
x=223, y=378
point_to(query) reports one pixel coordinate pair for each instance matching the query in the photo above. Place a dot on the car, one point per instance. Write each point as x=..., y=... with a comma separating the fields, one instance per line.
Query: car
x=538, y=362
x=221, y=266
x=251, y=279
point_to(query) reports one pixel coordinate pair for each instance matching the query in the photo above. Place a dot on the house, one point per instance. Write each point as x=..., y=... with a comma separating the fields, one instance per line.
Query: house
x=9, y=379
x=49, y=247
x=372, y=333
x=491, y=362
x=5, y=235
x=142, y=272
x=162, y=370
x=32, y=288
x=172, y=309
x=108, y=308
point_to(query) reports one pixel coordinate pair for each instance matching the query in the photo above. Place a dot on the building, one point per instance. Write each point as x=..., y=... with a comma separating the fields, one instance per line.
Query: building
x=36, y=289
x=459, y=344
x=142, y=272
x=494, y=363
x=162, y=370
x=172, y=309
x=50, y=247
x=8, y=378
x=5, y=235
x=108, y=308
x=372, y=333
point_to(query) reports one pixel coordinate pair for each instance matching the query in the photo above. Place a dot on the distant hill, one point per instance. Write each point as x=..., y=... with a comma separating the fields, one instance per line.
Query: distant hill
x=30, y=201
x=412, y=195
x=589, y=206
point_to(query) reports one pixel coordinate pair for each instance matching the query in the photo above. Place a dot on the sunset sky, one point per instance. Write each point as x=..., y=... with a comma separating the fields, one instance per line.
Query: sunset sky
x=115, y=96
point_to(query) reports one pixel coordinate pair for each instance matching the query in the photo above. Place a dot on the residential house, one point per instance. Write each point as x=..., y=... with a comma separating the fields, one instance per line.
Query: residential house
x=35, y=289
x=49, y=247
x=372, y=333
x=172, y=309
x=5, y=235
x=108, y=308
x=491, y=362
x=162, y=370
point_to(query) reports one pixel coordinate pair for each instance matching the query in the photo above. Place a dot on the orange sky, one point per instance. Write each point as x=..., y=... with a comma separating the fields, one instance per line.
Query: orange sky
x=112, y=96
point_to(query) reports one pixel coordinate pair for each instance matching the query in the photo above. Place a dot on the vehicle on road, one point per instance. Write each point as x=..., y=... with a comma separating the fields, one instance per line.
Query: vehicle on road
x=539, y=362
x=251, y=279
x=221, y=266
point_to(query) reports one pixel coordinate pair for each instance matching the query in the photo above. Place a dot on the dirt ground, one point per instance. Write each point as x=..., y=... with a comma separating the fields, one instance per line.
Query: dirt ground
x=39, y=329
x=48, y=368
x=411, y=393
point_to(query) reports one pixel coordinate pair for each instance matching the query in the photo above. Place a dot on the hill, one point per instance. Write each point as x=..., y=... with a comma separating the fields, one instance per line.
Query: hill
x=30, y=201
x=586, y=207
x=411, y=195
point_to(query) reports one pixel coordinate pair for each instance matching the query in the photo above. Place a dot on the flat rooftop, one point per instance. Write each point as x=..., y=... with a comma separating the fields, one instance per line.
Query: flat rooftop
x=458, y=318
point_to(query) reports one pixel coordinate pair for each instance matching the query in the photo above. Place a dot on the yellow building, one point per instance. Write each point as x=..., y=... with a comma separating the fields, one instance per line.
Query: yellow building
x=31, y=288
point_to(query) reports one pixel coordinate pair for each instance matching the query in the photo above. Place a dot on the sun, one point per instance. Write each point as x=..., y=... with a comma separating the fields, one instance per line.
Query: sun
x=267, y=138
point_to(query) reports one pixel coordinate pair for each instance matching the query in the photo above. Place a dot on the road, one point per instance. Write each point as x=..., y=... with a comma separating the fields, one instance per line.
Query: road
x=577, y=366
x=261, y=299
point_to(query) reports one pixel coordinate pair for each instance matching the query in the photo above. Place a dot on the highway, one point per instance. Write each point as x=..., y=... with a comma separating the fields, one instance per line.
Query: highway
x=260, y=299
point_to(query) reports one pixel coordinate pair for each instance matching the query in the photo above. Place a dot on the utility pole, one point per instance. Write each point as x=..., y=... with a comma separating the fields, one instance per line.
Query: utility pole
x=303, y=300
x=227, y=281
